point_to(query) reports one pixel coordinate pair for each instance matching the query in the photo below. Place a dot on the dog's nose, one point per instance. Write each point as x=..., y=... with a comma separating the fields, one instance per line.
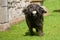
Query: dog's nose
x=34, y=12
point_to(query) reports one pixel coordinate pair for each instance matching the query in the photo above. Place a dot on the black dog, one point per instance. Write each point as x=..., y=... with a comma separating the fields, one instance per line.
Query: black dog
x=34, y=18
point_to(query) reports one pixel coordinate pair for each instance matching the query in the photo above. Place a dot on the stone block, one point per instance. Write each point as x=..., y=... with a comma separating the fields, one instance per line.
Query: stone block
x=1, y=14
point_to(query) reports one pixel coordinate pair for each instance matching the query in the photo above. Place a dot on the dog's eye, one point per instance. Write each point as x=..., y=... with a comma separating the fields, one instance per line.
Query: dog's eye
x=30, y=7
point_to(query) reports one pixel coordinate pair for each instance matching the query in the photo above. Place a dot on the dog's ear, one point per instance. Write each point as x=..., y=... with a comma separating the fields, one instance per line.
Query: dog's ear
x=25, y=10
x=43, y=10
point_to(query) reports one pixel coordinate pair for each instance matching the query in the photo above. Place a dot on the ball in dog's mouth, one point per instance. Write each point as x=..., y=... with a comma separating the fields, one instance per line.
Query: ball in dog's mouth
x=34, y=12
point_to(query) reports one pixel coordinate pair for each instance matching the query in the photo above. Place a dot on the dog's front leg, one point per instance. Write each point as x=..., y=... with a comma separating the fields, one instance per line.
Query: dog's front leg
x=40, y=30
x=31, y=31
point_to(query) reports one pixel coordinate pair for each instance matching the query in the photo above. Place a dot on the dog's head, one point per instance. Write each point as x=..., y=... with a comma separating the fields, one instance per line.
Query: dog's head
x=34, y=9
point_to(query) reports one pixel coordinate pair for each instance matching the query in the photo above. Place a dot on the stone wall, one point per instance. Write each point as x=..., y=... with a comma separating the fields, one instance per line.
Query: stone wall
x=15, y=8
x=11, y=12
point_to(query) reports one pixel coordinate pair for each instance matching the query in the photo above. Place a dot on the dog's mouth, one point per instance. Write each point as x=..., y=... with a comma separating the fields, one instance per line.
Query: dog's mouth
x=34, y=13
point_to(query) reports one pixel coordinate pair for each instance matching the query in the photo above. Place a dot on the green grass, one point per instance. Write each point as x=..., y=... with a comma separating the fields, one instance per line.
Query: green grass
x=51, y=26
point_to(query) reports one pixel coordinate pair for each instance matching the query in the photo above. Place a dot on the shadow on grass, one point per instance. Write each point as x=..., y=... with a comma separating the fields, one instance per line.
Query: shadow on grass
x=56, y=10
x=28, y=34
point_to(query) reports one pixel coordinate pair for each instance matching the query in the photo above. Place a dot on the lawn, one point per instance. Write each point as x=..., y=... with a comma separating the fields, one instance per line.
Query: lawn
x=51, y=26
